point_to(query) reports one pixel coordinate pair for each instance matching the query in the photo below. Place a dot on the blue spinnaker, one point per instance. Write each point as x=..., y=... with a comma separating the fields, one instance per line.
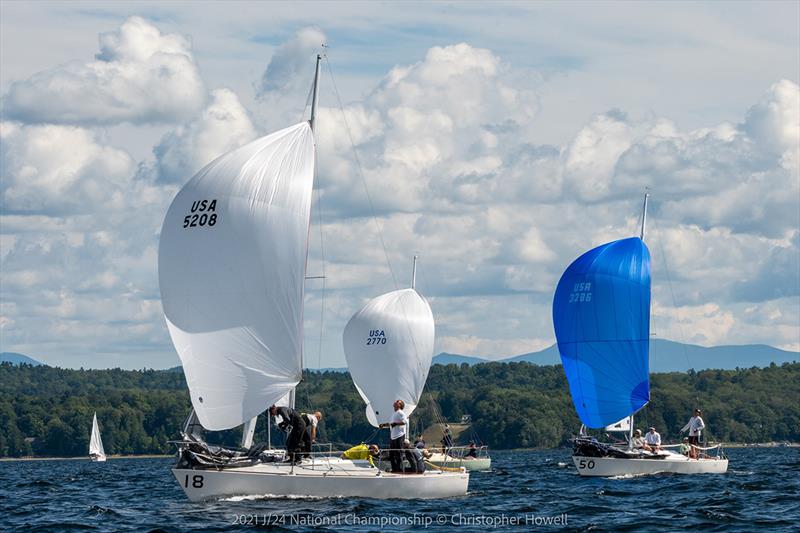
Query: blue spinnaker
x=601, y=314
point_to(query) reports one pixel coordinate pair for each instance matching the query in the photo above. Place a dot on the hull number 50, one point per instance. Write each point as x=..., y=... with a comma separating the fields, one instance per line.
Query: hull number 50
x=583, y=463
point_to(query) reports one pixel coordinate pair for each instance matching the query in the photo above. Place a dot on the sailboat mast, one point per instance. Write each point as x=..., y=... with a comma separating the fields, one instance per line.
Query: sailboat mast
x=414, y=273
x=641, y=236
x=311, y=122
x=644, y=215
x=315, y=95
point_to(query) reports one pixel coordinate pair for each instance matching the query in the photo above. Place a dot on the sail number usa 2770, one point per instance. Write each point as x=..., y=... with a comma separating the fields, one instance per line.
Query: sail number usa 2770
x=376, y=336
x=203, y=213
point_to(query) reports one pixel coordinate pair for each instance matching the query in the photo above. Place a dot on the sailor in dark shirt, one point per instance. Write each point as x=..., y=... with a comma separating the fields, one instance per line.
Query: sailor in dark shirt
x=291, y=418
x=415, y=457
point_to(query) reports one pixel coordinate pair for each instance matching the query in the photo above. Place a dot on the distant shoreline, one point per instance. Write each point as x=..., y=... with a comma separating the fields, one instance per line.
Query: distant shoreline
x=83, y=458
x=156, y=456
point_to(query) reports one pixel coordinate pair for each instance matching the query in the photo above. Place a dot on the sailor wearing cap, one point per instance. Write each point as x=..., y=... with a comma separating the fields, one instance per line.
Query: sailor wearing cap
x=695, y=427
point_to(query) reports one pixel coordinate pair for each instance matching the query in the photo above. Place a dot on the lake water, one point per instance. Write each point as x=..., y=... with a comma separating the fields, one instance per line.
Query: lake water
x=525, y=491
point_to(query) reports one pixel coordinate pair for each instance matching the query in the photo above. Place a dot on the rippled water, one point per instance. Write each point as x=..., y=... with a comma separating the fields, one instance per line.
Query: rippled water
x=760, y=491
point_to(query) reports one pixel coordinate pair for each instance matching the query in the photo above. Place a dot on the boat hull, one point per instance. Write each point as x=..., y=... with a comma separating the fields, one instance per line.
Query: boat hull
x=480, y=464
x=673, y=463
x=339, y=479
x=98, y=458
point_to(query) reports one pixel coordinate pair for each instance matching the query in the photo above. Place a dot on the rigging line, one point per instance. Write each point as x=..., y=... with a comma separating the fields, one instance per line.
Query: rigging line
x=360, y=170
x=671, y=290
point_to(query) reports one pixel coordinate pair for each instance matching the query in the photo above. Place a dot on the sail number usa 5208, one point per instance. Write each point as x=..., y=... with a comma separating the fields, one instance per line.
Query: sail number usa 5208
x=203, y=214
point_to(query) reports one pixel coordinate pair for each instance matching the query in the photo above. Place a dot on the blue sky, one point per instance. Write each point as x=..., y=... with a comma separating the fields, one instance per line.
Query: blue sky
x=498, y=142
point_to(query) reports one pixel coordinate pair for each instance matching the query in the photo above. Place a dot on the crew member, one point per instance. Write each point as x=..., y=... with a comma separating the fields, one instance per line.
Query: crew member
x=397, y=435
x=652, y=440
x=362, y=452
x=695, y=427
x=293, y=420
x=310, y=434
x=415, y=457
x=638, y=442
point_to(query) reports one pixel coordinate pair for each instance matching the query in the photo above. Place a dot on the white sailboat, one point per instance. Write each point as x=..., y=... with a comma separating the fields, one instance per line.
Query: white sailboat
x=601, y=315
x=96, y=451
x=388, y=345
x=232, y=267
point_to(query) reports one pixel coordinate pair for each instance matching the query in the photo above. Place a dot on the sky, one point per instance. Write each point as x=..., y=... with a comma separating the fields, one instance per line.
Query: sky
x=496, y=141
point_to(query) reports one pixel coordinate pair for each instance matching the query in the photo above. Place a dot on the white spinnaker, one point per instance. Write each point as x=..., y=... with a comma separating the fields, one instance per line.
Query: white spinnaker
x=389, y=348
x=95, y=442
x=232, y=291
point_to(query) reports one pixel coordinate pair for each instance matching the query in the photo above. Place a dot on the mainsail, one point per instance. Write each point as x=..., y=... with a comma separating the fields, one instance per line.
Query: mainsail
x=389, y=348
x=231, y=265
x=601, y=314
x=95, y=442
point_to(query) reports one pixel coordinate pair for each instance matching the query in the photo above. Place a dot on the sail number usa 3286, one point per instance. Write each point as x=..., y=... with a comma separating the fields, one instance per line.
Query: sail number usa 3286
x=203, y=213
x=581, y=292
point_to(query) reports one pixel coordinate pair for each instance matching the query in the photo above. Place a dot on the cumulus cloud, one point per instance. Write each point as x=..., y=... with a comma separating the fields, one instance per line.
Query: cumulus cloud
x=53, y=169
x=440, y=132
x=140, y=76
x=288, y=67
x=774, y=122
x=445, y=145
x=221, y=127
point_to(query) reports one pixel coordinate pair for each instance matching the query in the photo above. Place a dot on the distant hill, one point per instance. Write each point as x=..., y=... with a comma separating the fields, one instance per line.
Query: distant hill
x=454, y=359
x=17, y=359
x=665, y=356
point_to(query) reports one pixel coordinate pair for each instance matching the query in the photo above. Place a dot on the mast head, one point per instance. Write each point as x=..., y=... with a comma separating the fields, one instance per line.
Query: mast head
x=644, y=213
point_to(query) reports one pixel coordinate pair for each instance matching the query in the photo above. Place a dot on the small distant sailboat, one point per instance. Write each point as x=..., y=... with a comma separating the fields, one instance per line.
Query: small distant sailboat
x=601, y=315
x=232, y=269
x=96, y=451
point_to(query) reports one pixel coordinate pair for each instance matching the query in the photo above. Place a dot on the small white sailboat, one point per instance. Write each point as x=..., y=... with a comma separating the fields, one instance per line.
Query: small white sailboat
x=601, y=315
x=460, y=458
x=232, y=269
x=96, y=451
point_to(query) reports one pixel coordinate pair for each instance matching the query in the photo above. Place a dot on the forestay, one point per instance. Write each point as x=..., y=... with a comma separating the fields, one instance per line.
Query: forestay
x=601, y=313
x=389, y=348
x=232, y=260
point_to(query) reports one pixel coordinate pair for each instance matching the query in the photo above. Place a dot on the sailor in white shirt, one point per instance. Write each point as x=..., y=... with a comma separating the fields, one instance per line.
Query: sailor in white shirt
x=652, y=440
x=310, y=434
x=638, y=442
x=398, y=435
x=695, y=427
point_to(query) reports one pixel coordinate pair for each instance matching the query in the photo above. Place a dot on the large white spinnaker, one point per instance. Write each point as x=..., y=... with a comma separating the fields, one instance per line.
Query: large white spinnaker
x=389, y=348
x=95, y=442
x=231, y=265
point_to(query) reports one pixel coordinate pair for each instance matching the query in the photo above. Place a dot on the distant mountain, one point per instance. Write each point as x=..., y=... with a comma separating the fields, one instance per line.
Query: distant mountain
x=18, y=359
x=665, y=356
x=454, y=359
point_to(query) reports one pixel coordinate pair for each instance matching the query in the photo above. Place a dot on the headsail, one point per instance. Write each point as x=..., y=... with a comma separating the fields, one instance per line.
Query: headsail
x=95, y=442
x=389, y=348
x=601, y=314
x=621, y=425
x=232, y=259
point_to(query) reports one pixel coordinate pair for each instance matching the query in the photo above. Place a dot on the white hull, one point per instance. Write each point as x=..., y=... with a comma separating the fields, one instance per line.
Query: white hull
x=673, y=463
x=479, y=464
x=98, y=458
x=322, y=478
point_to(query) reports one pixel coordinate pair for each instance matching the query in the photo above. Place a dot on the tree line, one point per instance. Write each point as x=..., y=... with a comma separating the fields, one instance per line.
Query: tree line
x=47, y=411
